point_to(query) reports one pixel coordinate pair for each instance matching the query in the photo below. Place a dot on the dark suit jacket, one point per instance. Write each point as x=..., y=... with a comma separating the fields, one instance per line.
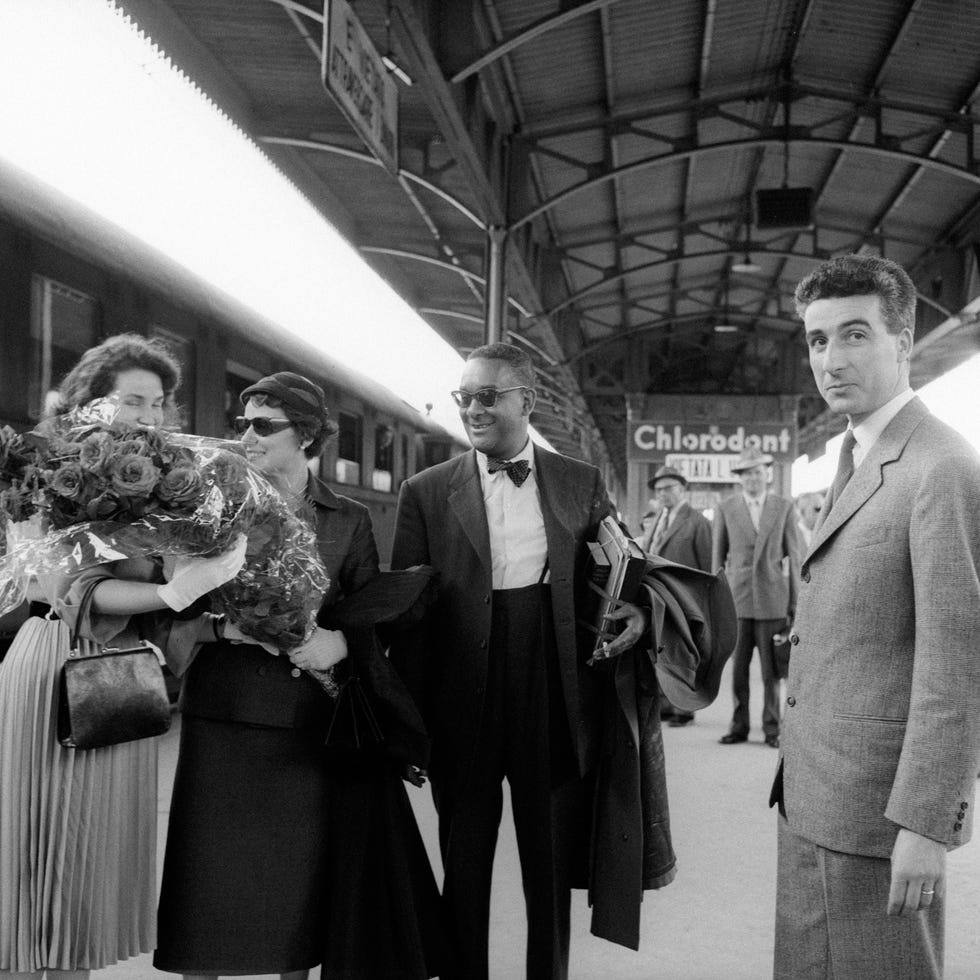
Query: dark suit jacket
x=754, y=560
x=688, y=539
x=442, y=522
x=882, y=724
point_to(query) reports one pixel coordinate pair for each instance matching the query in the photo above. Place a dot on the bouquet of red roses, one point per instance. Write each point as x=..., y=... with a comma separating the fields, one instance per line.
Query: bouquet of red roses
x=87, y=489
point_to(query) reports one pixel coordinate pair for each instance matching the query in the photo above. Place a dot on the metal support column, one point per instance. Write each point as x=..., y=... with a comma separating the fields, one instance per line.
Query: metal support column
x=494, y=308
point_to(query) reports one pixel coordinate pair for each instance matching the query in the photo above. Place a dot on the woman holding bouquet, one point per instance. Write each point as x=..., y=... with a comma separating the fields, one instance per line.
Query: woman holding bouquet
x=78, y=828
x=245, y=879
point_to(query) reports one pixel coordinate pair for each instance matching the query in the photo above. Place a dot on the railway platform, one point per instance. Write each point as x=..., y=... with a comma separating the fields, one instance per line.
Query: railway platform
x=714, y=922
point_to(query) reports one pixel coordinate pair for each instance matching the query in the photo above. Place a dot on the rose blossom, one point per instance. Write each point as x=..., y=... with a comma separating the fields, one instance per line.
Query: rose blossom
x=68, y=481
x=95, y=450
x=181, y=485
x=133, y=476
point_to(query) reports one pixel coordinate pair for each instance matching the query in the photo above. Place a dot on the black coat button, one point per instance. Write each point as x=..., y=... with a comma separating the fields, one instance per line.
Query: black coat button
x=791, y=701
x=806, y=576
x=957, y=826
x=794, y=639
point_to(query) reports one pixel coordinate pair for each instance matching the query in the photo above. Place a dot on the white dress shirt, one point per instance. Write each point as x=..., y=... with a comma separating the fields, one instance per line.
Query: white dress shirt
x=755, y=505
x=518, y=546
x=867, y=433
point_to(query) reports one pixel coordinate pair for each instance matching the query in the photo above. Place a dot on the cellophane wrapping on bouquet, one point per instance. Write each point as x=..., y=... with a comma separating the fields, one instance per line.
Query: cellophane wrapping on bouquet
x=86, y=489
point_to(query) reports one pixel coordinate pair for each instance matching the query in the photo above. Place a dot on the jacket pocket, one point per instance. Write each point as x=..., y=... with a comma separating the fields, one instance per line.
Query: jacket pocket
x=875, y=719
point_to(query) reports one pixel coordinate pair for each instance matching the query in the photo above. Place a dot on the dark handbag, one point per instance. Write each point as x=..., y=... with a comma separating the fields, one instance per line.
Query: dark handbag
x=110, y=695
x=354, y=727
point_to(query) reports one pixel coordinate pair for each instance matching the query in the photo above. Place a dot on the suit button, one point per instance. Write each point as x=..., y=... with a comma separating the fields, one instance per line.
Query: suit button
x=806, y=576
x=964, y=805
x=957, y=826
x=262, y=671
x=791, y=701
x=295, y=672
x=794, y=639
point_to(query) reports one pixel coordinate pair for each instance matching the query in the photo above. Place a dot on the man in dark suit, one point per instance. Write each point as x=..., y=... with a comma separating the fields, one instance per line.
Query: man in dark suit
x=681, y=534
x=881, y=736
x=755, y=533
x=500, y=670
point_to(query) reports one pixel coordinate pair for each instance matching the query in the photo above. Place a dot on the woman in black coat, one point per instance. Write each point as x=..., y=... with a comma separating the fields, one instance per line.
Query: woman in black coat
x=249, y=866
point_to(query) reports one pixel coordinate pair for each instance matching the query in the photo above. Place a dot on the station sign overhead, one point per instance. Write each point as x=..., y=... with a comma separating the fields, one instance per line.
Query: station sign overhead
x=656, y=440
x=353, y=73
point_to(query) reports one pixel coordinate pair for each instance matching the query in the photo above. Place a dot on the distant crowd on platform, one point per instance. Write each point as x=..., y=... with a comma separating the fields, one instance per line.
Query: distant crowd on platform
x=479, y=657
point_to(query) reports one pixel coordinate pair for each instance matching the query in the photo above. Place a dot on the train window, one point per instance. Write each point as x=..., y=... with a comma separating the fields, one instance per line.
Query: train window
x=183, y=350
x=349, y=448
x=384, y=457
x=436, y=451
x=237, y=378
x=64, y=324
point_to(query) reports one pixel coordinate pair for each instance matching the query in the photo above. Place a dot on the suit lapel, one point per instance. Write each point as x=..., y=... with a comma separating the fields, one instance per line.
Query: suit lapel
x=466, y=500
x=556, y=499
x=870, y=474
x=767, y=518
x=683, y=511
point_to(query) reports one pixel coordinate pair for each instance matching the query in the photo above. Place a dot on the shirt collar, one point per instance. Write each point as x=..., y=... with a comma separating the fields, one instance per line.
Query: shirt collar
x=752, y=501
x=526, y=453
x=867, y=433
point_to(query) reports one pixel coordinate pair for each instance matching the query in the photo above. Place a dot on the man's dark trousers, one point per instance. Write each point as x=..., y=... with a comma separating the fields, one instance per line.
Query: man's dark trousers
x=756, y=633
x=523, y=737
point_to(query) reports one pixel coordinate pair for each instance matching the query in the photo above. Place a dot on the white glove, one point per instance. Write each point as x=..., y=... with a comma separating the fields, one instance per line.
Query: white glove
x=194, y=577
x=321, y=651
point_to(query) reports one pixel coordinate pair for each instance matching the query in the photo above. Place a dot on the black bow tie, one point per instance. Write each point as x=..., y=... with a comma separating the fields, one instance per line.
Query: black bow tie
x=517, y=469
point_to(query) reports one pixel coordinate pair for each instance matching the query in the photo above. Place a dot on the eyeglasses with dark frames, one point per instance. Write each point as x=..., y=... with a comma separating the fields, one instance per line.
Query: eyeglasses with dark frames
x=263, y=426
x=487, y=397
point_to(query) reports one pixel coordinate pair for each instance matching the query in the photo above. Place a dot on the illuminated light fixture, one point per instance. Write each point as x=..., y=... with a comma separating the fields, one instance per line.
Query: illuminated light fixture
x=746, y=265
x=388, y=60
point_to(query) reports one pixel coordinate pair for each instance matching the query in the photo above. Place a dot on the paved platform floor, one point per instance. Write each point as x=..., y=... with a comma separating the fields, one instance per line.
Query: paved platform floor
x=714, y=922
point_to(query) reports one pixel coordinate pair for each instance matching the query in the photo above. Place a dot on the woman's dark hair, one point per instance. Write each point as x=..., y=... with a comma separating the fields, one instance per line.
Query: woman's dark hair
x=315, y=426
x=94, y=376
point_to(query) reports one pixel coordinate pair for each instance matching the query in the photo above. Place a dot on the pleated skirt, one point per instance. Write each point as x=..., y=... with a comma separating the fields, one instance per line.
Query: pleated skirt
x=77, y=827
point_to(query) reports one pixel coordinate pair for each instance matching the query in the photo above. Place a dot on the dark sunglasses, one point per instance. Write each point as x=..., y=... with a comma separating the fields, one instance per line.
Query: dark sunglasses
x=487, y=397
x=261, y=425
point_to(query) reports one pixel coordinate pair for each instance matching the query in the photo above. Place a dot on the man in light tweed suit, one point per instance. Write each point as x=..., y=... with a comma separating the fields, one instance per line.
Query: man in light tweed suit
x=881, y=730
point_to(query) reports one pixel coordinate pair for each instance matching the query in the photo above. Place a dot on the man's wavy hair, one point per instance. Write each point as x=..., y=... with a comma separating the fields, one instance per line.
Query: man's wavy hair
x=520, y=364
x=863, y=275
x=94, y=376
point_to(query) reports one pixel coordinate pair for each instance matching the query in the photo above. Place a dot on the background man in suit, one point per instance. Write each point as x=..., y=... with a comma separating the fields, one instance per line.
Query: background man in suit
x=500, y=673
x=753, y=532
x=882, y=728
x=682, y=534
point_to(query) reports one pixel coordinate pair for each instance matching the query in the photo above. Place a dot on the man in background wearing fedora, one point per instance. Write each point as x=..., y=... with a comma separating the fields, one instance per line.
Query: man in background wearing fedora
x=755, y=538
x=680, y=534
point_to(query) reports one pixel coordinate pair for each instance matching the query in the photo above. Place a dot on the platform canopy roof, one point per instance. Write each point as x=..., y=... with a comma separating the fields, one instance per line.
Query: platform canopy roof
x=618, y=147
